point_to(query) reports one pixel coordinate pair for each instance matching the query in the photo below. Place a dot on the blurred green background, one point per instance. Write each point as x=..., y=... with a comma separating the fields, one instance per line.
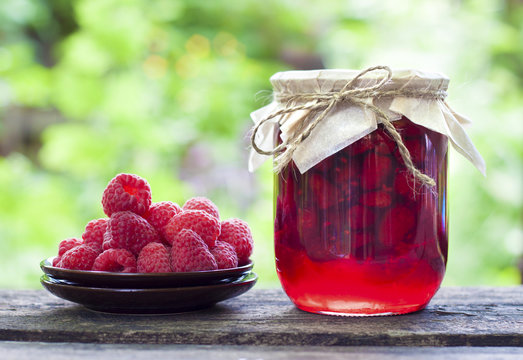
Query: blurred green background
x=164, y=88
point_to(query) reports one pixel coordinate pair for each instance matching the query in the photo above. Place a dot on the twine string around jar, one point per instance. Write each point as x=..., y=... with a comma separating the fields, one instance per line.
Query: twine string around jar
x=320, y=104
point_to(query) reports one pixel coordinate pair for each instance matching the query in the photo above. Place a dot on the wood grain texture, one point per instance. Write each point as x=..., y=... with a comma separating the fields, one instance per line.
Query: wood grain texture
x=455, y=317
x=77, y=351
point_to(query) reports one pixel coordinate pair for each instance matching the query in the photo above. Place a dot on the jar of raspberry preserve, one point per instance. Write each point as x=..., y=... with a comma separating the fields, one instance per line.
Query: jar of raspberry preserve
x=361, y=223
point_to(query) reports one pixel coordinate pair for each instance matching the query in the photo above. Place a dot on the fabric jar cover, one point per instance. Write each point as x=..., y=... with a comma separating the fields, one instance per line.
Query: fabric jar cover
x=347, y=122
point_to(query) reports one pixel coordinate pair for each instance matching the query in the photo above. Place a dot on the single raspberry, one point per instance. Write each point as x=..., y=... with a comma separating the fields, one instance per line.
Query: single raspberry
x=321, y=234
x=204, y=224
x=94, y=233
x=190, y=253
x=307, y=219
x=79, y=258
x=56, y=261
x=154, y=258
x=68, y=244
x=126, y=192
x=202, y=203
x=160, y=213
x=237, y=233
x=375, y=171
x=115, y=260
x=397, y=226
x=321, y=242
x=322, y=192
x=126, y=230
x=378, y=198
x=225, y=255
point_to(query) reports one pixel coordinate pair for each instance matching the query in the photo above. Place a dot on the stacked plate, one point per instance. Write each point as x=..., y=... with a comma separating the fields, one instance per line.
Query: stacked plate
x=153, y=293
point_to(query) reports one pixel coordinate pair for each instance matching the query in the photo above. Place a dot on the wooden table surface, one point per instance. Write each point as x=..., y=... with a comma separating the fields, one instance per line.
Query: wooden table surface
x=478, y=322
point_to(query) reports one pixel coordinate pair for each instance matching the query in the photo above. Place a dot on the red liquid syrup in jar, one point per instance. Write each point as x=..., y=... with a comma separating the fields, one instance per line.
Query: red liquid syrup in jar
x=356, y=235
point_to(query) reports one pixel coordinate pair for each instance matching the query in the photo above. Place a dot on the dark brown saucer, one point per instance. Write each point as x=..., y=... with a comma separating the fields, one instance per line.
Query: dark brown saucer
x=141, y=280
x=149, y=301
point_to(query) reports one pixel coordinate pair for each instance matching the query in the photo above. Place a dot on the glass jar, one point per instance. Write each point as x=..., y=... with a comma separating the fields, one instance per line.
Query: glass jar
x=356, y=234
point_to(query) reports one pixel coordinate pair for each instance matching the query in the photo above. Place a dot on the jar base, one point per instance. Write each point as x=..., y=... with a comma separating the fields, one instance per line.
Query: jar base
x=355, y=311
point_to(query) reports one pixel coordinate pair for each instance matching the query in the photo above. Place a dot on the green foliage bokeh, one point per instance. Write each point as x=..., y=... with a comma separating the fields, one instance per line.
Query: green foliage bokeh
x=164, y=89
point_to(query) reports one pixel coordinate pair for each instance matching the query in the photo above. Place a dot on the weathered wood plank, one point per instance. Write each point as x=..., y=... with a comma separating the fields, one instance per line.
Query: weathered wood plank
x=455, y=317
x=77, y=351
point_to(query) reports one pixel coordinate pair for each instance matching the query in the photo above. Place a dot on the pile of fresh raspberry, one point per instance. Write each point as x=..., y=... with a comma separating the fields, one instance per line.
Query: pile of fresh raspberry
x=145, y=237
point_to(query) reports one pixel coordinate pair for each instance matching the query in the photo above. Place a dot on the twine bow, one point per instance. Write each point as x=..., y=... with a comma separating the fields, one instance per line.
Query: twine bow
x=323, y=103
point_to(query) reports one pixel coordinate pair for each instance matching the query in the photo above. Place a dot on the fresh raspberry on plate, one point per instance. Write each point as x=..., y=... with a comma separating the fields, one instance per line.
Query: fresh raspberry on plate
x=237, y=233
x=225, y=255
x=126, y=192
x=68, y=244
x=154, y=258
x=115, y=260
x=126, y=230
x=56, y=261
x=204, y=224
x=79, y=258
x=190, y=253
x=202, y=203
x=94, y=233
x=160, y=213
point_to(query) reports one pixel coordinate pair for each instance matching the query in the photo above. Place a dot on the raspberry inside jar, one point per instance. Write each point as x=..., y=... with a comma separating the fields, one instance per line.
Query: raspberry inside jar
x=356, y=234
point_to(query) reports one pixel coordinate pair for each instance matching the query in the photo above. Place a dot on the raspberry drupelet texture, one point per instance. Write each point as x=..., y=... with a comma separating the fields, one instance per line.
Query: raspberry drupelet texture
x=225, y=255
x=94, y=233
x=202, y=203
x=126, y=192
x=154, y=258
x=160, y=213
x=237, y=233
x=204, y=224
x=78, y=258
x=126, y=230
x=115, y=260
x=190, y=253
